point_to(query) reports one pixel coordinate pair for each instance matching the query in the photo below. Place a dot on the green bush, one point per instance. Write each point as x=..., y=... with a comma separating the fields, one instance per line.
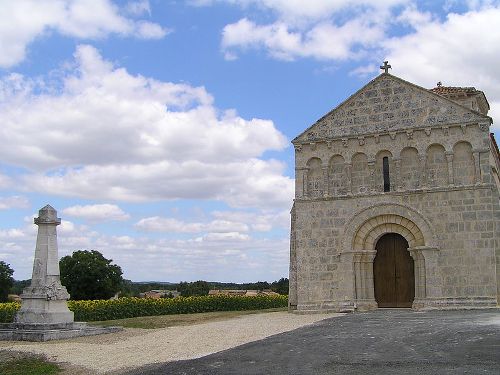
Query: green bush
x=132, y=307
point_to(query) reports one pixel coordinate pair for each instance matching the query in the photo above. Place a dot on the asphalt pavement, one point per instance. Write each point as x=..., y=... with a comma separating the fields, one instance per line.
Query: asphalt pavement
x=384, y=341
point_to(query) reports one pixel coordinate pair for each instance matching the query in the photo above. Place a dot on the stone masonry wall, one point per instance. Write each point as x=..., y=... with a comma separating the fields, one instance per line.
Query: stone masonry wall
x=465, y=223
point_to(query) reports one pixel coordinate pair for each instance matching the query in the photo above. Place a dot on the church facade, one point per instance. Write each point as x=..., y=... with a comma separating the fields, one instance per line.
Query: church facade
x=397, y=202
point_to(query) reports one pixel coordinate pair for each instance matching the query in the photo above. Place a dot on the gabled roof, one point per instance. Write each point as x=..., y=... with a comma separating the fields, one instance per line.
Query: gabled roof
x=385, y=104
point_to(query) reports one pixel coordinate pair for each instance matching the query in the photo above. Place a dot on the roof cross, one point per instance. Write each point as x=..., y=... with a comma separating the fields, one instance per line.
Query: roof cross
x=386, y=67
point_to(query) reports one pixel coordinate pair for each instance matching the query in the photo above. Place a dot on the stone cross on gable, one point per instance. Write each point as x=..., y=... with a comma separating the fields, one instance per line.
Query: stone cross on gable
x=385, y=67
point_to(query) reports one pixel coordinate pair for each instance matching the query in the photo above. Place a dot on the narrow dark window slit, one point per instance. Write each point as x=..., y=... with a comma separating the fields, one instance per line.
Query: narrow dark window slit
x=385, y=167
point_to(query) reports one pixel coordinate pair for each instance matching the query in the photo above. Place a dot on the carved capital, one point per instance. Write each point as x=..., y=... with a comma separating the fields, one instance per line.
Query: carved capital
x=484, y=126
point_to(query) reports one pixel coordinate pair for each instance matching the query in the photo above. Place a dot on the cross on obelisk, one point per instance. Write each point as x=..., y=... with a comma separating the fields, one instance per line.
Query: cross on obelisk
x=385, y=67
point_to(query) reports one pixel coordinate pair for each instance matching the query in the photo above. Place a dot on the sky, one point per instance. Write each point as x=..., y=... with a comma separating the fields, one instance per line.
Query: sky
x=160, y=130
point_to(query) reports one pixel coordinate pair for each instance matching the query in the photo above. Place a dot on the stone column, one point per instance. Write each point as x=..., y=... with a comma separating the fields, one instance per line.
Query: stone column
x=449, y=159
x=427, y=278
x=423, y=171
x=348, y=172
x=44, y=301
x=395, y=178
x=363, y=274
x=326, y=188
x=371, y=169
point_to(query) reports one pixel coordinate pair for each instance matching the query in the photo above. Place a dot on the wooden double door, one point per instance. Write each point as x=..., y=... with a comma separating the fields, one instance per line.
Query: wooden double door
x=393, y=272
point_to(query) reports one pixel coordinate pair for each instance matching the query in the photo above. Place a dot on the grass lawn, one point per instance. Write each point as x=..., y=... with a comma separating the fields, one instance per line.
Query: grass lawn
x=163, y=321
x=28, y=366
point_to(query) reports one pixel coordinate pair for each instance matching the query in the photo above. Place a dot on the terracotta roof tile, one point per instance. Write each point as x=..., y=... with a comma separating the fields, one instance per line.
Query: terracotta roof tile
x=443, y=90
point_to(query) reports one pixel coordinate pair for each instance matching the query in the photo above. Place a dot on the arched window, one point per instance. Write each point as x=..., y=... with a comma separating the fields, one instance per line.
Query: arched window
x=360, y=174
x=383, y=165
x=337, y=177
x=463, y=164
x=437, y=166
x=385, y=172
x=314, y=178
x=410, y=169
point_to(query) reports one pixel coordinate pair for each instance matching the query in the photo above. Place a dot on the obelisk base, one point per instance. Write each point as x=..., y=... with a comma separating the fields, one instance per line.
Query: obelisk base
x=48, y=332
x=41, y=311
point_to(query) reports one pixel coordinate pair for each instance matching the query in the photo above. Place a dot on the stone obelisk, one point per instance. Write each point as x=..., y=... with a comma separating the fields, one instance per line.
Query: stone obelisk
x=44, y=301
x=44, y=313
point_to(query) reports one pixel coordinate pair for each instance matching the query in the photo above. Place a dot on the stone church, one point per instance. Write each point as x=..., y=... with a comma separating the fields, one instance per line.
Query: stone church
x=397, y=202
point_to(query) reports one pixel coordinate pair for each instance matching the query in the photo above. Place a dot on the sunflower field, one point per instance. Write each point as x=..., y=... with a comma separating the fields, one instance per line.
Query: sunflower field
x=131, y=307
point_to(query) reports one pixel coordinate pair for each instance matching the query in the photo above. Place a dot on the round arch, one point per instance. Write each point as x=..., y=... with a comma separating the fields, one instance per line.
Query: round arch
x=367, y=225
x=371, y=230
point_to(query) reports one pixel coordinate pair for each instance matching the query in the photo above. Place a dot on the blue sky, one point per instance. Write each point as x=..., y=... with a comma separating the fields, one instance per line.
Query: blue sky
x=160, y=130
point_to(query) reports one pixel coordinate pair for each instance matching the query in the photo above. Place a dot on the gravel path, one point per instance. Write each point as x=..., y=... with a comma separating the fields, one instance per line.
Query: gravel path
x=113, y=353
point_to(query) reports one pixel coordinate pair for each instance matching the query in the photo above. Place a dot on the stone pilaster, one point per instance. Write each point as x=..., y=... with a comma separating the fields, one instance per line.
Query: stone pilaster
x=449, y=159
x=477, y=166
x=300, y=182
x=292, y=293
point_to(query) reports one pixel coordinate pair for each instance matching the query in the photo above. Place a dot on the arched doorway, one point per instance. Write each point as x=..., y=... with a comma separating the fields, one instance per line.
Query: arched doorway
x=393, y=272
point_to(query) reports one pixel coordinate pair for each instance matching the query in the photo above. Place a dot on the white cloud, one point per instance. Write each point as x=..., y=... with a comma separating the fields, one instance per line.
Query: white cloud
x=117, y=136
x=97, y=212
x=229, y=256
x=15, y=201
x=462, y=50
x=138, y=8
x=325, y=40
x=24, y=21
x=257, y=221
x=319, y=29
x=229, y=236
x=298, y=10
x=165, y=224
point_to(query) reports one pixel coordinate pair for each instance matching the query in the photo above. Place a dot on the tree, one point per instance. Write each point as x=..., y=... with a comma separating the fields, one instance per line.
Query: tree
x=280, y=286
x=6, y=280
x=89, y=275
x=197, y=288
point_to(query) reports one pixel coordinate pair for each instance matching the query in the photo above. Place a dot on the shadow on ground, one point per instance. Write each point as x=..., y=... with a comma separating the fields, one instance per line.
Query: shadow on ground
x=379, y=342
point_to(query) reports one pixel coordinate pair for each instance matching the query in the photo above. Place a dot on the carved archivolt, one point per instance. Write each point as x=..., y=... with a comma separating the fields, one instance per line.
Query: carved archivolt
x=369, y=224
x=370, y=231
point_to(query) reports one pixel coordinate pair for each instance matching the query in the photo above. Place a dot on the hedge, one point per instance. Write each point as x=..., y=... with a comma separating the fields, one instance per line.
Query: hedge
x=133, y=307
